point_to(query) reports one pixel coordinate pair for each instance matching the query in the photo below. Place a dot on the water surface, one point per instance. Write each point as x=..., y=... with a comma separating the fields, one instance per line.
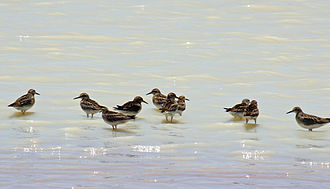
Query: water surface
x=214, y=52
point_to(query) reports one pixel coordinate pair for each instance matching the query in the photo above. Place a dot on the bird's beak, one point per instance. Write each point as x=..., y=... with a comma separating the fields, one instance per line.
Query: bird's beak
x=37, y=93
x=290, y=112
x=76, y=97
x=187, y=99
x=144, y=101
x=149, y=93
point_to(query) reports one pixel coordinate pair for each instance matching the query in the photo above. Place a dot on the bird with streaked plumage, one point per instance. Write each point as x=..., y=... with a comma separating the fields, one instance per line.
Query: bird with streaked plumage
x=181, y=104
x=170, y=107
x=131, y=108
x=251, y=112
x=114, y=118
x=237, y=110
x=25, y=102
x=308, y=121
x=158, y=98
x=88, y=105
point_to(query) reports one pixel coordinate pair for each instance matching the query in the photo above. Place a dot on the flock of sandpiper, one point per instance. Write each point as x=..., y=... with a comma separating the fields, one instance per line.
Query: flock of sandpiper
x=169, y=106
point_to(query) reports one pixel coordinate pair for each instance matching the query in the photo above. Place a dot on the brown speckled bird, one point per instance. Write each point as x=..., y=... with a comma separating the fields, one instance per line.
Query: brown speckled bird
x=251, y=112
x=88, y=105
x=131, y=108
x=170, y=107
x=158, y=99
x=181, y=104
x=238, y=109
x=114, y=118
x=307, y=121
x=25, y=102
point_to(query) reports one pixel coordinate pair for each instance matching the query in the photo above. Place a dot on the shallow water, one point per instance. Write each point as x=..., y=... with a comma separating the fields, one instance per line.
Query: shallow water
x=215, y=53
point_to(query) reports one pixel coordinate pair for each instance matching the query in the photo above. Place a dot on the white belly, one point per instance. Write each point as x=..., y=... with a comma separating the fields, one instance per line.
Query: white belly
x=23, y=108
x=237, y=114
x=179, y=112
x=91, y=111
x=301, y=124
x=129, y=113
x=116, y=122
x=157, y=105
x=168, y=113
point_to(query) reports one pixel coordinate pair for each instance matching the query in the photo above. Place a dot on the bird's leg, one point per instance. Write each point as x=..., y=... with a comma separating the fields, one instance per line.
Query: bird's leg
x=87, y=114
x=92, y=115
x=246, y=121
x=116, y=127
x=171, y=118
x=113, y=127
x=166, y=117
x=255, y=120
x=310, y=129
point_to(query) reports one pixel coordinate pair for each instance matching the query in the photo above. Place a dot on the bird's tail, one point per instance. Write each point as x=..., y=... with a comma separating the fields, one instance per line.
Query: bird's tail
x=102, y=107
x=131, y=116
x=227, y=109
x=328, y=119
x=11, y=105
x=118, y=107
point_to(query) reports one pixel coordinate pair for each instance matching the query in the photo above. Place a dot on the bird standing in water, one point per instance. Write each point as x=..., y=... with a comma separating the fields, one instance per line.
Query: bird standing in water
x=88, y=105
x=25, y=102
x=307, y=121
x=170, y=107
x=114, y=118
x=131, y=108
x=251, y=112
x=158, y=99
x=181, y=104
x=238, y=109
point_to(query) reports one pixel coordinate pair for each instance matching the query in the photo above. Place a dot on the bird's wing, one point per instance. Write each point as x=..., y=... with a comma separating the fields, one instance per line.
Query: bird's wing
x=159, y=99
x=23, y=100
x=165, y=106
x=251, y=111
x=173, y=107
x=311, y=119
x=91, y=104
x=161, y=95
x=254, y=113
x=182, y=106
x=116, y=116
x=238, y=108
x=131, y=106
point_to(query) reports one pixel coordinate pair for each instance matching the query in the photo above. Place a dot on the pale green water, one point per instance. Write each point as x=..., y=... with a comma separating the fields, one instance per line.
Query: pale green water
x=213, y=52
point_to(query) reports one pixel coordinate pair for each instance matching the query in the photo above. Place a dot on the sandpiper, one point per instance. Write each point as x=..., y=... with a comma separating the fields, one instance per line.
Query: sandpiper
x=25, y=102
x=131, y=108
x=238, y=109
x=114, y=118
x=88, y=105
x=158, y=99
x=251, y=112
x=170, y=107
x=181, y=104
x=307, y=121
